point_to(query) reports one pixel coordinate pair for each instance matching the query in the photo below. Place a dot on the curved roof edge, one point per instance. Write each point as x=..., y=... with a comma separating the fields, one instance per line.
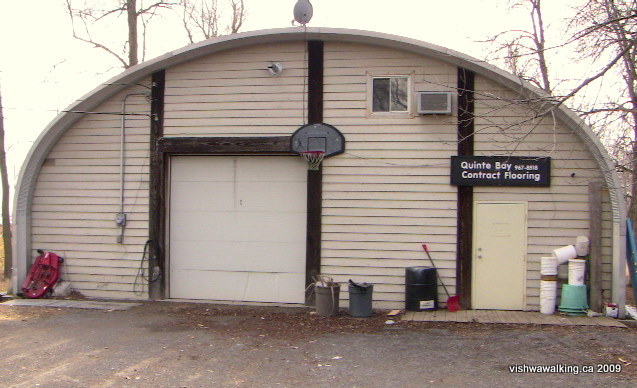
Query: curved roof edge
x=46, y=140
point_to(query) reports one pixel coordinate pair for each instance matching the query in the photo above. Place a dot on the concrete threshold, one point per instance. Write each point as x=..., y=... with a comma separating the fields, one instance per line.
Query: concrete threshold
x=76, y=304
x=509, y=317
x=235, y=303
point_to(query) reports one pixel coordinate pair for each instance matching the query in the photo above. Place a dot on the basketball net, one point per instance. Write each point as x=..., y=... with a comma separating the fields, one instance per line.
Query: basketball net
x=313, y=159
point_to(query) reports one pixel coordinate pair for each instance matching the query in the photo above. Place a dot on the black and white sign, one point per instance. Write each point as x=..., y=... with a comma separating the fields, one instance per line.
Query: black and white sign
x=500, y=171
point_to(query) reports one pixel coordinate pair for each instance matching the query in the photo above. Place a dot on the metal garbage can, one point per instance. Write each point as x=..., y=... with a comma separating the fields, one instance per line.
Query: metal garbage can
x=327, y=299
x=360, y=299
x=421, y=289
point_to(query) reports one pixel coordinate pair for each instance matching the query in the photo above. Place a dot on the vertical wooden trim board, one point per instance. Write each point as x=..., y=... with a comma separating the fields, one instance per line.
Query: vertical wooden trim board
x=464, y=237
x=595, y=231
x=157, y=183
x=314, y=177
x=315, y=82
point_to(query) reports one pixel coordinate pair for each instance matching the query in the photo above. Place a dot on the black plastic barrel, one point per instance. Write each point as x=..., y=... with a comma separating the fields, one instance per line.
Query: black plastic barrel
x=421, y=289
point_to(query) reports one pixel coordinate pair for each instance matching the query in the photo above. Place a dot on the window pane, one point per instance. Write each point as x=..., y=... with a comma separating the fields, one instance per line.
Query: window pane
x=398, y=94
x=380, y=102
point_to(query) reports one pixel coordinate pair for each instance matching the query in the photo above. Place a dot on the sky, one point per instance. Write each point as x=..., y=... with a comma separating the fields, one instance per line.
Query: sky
x=43, y=69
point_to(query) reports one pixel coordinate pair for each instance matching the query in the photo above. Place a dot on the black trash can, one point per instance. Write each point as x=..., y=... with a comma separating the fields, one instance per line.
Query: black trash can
x=360, y=299
x=421, y=289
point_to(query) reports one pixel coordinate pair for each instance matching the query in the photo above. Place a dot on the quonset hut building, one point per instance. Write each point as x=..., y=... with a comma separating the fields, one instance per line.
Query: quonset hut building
x=184, y=167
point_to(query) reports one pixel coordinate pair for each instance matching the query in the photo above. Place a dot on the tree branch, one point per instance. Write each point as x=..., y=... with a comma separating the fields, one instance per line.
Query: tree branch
x=587, y=81
x=159, y=4
x=89, y=40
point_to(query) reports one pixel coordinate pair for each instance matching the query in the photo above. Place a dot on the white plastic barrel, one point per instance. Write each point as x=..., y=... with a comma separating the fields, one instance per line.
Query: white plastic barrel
x=576, y=271
x=564, y=254
x=548, y=296
x=581, y=245
x=548, y=265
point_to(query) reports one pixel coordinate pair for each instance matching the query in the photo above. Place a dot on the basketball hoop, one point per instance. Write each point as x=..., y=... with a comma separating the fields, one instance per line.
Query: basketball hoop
x=313, y=158
x=316, y=141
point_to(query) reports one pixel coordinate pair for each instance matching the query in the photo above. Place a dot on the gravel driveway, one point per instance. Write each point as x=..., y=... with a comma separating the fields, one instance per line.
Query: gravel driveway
x=163, y=344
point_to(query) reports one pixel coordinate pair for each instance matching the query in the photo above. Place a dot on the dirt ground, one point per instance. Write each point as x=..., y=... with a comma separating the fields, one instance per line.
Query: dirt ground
x=170, y=344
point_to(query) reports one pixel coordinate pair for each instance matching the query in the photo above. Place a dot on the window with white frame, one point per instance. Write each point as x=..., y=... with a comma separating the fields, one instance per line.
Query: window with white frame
x=390, y=94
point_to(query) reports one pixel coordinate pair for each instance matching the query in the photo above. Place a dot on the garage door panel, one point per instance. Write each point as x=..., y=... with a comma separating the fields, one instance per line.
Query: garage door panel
x=273, y=227
x=195, y=169
x=284, y=197
x=277, y=287
x=252, y=169
x=217, y=196
x=255, y=287
x=237, y=227
x=192, y=226
x=245, y=256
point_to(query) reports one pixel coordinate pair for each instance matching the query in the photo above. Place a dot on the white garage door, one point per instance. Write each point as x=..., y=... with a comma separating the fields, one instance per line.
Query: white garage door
x=237, y=228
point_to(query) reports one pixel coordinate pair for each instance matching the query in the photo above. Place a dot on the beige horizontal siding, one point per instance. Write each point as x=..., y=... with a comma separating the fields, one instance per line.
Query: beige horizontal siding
x=77, y=196
x=389, y=192
x=233, y=94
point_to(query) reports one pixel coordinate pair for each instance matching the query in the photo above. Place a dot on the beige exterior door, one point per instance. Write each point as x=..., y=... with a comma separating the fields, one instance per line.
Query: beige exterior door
x=237, y=228
x=499, y=255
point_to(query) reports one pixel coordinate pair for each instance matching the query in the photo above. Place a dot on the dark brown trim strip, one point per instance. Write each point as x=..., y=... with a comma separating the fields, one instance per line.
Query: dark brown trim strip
x=594, y=263
x=315, y=50
x=315, y=82
x=225, y=145
x=157, y=184
x=313, y=241
x=464, y=238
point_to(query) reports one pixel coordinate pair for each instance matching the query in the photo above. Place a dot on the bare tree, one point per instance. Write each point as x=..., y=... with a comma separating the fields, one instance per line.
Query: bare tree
x=6, y=216
x=202, y=18
x=84, y=20
x=608, y=29
x=603, y=35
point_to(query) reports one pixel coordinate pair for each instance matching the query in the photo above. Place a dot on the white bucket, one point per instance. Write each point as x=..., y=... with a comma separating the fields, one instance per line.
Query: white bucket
x=548, y=296
x=576, y=270
x=612, y=310
x=582, y=246
x=564, y=254
x=548, y=265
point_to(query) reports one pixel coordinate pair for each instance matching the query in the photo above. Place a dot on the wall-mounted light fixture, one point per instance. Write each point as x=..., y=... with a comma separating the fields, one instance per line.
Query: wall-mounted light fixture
x=275, y=68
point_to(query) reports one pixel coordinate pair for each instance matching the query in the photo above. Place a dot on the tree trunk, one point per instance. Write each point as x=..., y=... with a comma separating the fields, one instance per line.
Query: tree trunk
x=538, y=38
x=131, y=10
x=6, y=216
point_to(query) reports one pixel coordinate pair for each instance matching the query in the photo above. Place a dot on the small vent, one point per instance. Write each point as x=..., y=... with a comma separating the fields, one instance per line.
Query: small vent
x=430, y=103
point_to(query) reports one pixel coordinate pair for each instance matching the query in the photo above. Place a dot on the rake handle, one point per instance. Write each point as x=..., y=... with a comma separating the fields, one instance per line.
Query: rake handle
x=424, y=246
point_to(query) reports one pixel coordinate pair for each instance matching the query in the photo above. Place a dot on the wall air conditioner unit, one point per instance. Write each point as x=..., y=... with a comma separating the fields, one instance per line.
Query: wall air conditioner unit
x=434, y=103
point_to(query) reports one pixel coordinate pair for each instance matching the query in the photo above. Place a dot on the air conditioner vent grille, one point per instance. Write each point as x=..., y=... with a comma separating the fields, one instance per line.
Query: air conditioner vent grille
x=434, y=103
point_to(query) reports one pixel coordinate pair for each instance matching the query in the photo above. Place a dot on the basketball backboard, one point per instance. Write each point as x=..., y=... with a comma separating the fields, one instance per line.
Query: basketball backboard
x=318, y=137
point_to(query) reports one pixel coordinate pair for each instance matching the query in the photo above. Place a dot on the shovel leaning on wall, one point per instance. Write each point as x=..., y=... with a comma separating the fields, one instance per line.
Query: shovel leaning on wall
x=453, y=302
